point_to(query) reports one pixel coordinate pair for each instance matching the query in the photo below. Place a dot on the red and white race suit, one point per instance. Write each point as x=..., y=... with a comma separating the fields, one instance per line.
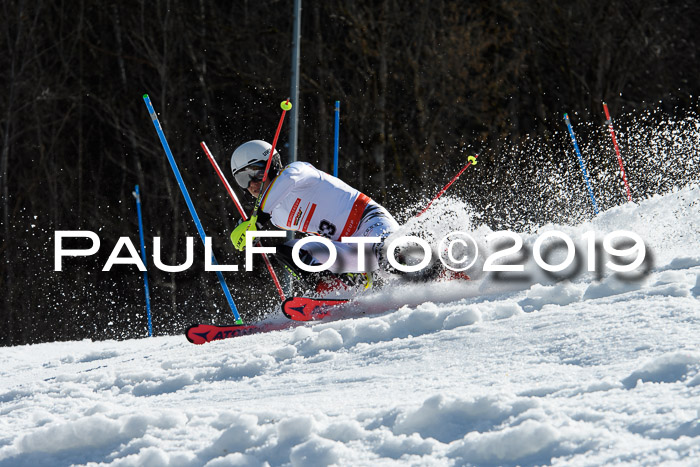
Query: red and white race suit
x=303, y=198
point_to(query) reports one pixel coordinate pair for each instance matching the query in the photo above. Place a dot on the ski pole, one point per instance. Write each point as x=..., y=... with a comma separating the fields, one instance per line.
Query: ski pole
x=137, y=195
x=190, y=206
x=617, y=150
x=286, y=105
x=243, y=215
x=472, y=161
x=336, y=138
x=580, y=162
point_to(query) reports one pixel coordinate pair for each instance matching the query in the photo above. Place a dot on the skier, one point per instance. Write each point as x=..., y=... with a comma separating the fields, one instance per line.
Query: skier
x=301, y=198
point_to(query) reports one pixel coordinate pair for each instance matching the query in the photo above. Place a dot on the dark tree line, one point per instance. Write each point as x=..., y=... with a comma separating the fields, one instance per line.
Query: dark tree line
x=422, y=84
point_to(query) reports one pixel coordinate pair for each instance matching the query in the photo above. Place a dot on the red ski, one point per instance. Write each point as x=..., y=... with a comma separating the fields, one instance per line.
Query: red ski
x=295, y=308
x=307, y=309
x=203, y=333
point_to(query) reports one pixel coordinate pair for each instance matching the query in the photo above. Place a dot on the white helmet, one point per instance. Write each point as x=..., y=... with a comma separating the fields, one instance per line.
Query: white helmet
x=251, y=156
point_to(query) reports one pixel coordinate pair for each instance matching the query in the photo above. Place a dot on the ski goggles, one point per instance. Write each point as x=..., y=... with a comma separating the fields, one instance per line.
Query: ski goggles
x=250, y=173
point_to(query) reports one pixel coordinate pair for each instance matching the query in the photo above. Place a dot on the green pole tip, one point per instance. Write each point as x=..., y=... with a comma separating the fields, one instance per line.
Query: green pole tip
x=239, y=321
x=145, y=96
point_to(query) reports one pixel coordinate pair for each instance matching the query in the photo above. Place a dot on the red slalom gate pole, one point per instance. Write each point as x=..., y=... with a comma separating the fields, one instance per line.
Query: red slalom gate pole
x=235, y=200
x=617, y=150
x=286, y=105
x=472, y=161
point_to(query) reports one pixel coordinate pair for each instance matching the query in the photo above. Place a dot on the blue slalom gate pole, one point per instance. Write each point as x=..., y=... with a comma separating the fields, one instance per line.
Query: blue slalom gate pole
x=335, y=145
x=580, y=162
x=137, y=195
x=190, y=206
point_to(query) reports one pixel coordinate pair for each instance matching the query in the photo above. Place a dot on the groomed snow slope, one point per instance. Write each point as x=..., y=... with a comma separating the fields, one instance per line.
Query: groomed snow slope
x=580, y=372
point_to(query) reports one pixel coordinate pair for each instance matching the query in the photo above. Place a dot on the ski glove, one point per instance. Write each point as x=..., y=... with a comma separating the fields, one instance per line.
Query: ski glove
x=239, y=233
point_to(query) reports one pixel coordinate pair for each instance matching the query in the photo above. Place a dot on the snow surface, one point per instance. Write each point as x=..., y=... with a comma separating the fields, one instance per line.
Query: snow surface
x=591, y=371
